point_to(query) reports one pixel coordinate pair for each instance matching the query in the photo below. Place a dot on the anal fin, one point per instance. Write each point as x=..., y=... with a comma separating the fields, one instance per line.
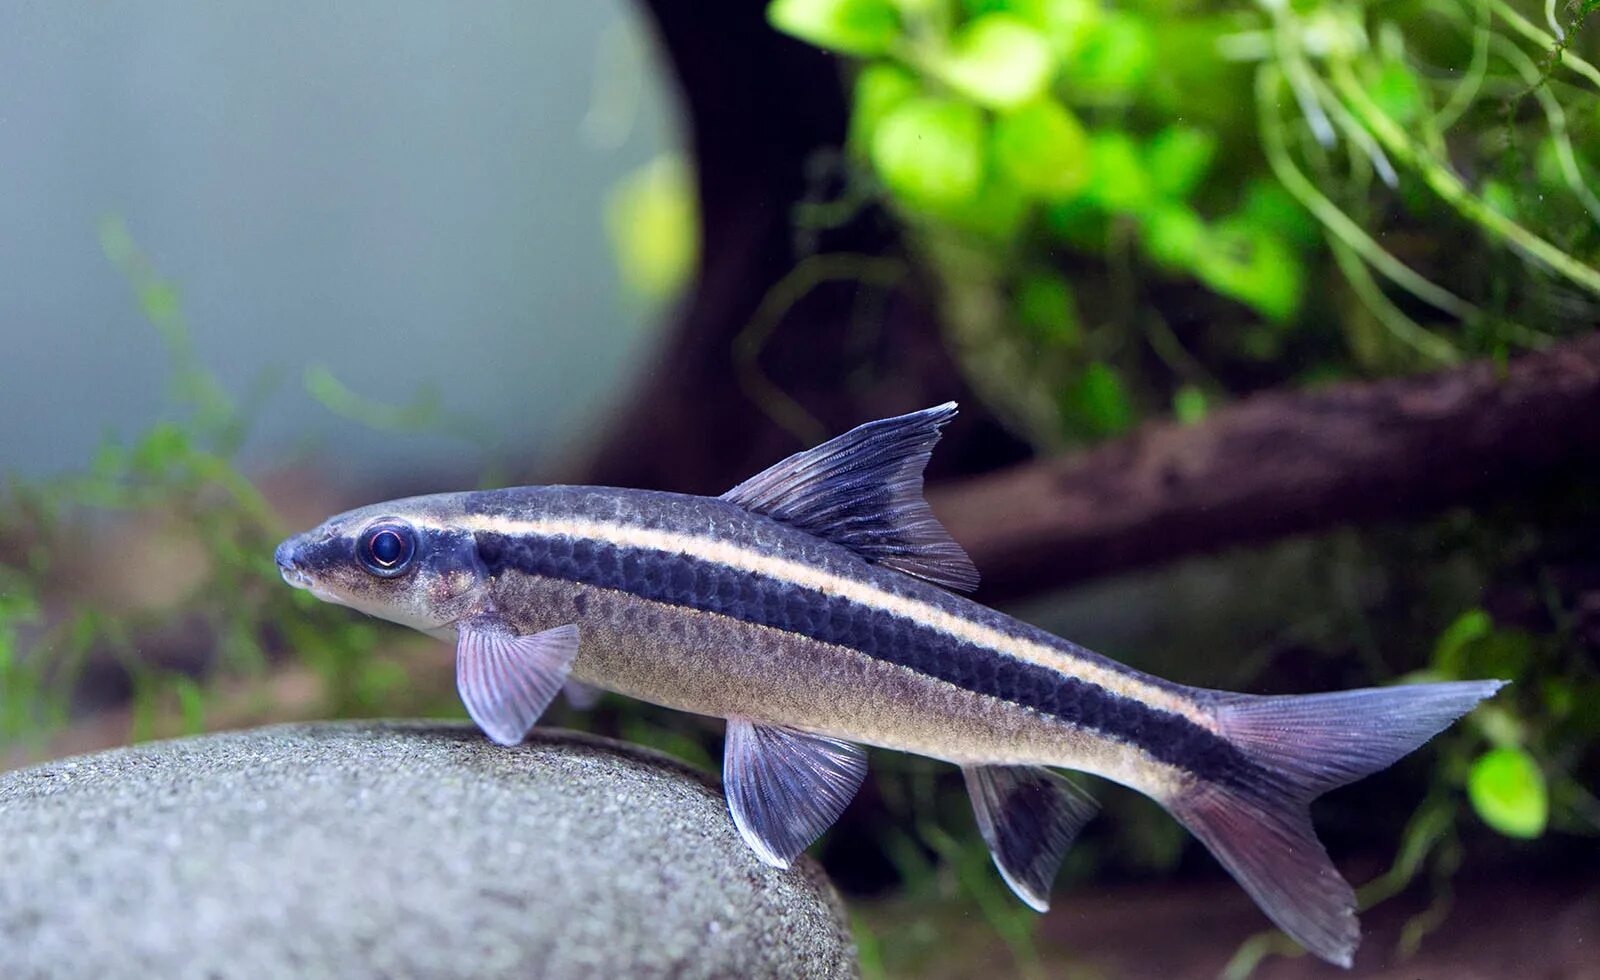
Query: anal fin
x=1029, y=817
x=785, y=786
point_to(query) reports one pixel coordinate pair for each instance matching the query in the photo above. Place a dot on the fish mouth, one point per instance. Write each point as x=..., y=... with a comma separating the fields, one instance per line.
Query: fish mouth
x=287, y=557
x=301, y=580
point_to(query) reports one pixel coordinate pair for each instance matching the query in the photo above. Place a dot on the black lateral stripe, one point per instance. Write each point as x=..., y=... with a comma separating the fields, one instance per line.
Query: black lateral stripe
x=709, y=586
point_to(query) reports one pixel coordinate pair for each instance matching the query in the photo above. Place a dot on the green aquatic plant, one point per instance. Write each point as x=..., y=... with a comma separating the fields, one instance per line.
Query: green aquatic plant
x=1277, y=156
x=176, y=485
x=1508, y=791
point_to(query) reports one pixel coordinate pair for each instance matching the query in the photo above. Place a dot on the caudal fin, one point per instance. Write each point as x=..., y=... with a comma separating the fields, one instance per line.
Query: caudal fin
x=1302, y=746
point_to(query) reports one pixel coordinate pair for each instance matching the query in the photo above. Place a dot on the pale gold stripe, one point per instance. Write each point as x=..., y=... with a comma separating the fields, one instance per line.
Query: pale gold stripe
x=854, y=590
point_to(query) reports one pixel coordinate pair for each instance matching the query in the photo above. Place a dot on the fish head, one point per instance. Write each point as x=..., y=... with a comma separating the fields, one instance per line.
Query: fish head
x=407, y=561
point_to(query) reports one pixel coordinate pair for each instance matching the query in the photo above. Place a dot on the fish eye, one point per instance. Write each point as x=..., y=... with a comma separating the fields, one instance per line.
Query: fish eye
x=386, y=548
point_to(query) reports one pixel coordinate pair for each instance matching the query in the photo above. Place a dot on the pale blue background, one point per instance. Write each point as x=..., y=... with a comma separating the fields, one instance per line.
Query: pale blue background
x=408, y=193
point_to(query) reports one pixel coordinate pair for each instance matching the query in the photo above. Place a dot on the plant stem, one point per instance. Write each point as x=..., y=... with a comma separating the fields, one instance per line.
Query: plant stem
x=1339, y=224
x=1557, y=118
x=1529, y=30
x=808, y=274
x=1402, y=327
x=1450, y=188
x=1462, y=96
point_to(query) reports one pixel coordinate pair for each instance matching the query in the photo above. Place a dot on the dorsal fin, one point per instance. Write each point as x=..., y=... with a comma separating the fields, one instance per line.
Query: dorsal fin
x=864, y=490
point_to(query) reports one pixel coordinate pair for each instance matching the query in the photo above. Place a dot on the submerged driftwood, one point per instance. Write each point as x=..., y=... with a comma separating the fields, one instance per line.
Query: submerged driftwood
x=1281, y=463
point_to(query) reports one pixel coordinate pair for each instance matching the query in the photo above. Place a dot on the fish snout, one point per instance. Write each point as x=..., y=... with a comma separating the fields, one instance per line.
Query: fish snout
x=290, y=567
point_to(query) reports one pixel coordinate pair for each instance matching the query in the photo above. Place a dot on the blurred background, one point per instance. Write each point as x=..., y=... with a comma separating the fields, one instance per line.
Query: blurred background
x=1273, y=326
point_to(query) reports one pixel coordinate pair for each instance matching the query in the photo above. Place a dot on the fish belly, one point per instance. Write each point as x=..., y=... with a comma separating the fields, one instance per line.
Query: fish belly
x=716, y=665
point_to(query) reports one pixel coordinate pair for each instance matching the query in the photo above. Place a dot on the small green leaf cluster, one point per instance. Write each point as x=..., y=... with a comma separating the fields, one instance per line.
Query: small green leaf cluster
x=998, y=117
x=1028, y=128
x=1534, y=734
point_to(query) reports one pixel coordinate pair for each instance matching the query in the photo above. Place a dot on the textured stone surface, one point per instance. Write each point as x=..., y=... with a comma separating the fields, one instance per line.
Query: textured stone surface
x=393, y=849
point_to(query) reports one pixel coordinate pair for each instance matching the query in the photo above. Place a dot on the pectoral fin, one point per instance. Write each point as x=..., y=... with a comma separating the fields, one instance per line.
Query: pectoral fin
x=582, y=696
x=505, y=680
x=1028, y=816
x=785, y=786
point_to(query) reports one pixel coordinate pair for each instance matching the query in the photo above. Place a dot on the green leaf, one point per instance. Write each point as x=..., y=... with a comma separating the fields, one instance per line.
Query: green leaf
x=1449, y=656
x=1503, y=653
x=1174, y=236
x=1099, y=401
x=1178, y=158
x=1185, y=78
x=880, y=87
x=859, y=27
x=1508, y=791
x=997, y=60
x=1042, y=147
x=162, y=447
x=1254, y=267
x=1501, y=727
x=1081, y=222
x=1118, y=182
x=1067, y=23
x=1113, y=60
x=1269, y=206
x=1472, y=647
x=1189, y=404
x=1047, y=308
x=653, y=221
x=998, y=211
x=930, y=152
x=1560, y=695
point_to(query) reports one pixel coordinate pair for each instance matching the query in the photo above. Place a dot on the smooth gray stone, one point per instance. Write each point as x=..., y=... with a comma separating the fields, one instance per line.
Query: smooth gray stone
x=394, y=849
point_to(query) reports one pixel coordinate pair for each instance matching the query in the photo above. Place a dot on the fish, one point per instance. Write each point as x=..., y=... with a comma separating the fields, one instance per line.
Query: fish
x=818, y=608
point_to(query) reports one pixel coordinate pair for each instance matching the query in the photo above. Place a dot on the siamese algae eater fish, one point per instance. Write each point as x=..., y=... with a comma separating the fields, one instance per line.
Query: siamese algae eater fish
x=815, y=607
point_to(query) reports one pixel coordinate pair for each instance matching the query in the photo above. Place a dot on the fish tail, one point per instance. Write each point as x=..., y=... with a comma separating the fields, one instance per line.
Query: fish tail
x=1301, y=747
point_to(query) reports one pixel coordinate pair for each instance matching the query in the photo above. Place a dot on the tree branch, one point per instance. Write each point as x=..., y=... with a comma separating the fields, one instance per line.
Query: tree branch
x=1282, y=463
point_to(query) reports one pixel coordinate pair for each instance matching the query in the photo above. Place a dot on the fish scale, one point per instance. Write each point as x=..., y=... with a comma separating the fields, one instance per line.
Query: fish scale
x=713, y=588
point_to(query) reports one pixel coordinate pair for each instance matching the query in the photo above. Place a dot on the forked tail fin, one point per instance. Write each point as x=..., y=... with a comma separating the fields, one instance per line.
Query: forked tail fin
x=1304, y=745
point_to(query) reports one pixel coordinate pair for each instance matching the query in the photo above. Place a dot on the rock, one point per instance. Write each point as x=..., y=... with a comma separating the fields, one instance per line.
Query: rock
x=396, y=849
